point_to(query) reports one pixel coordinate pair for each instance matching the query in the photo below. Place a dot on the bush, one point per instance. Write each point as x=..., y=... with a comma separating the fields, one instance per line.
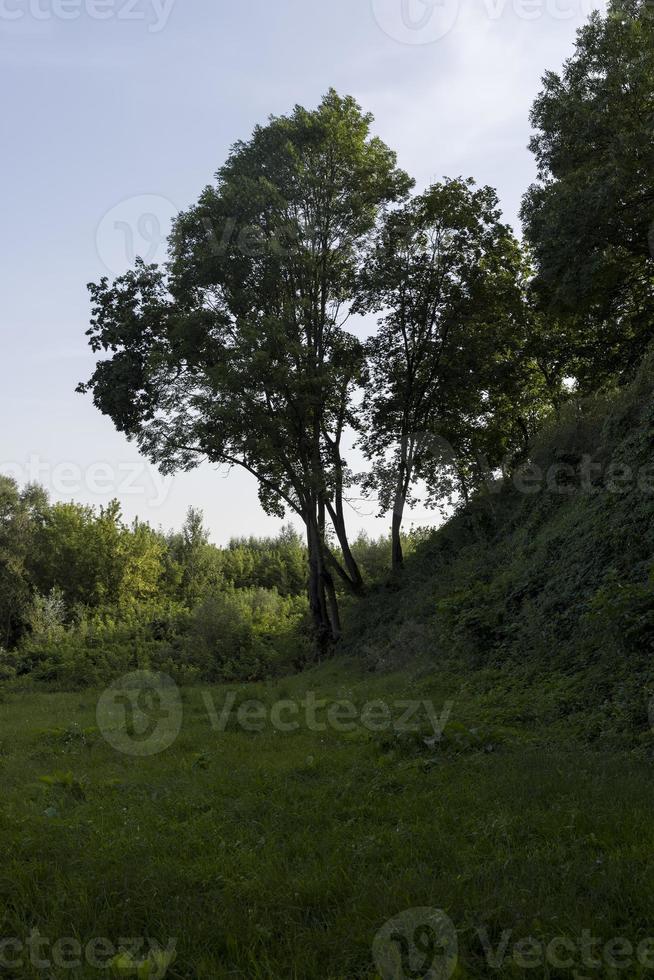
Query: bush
x=246, y=633
x=237, y=634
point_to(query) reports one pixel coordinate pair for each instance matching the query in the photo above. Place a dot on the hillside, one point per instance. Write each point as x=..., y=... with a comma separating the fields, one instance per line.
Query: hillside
x=542, y=586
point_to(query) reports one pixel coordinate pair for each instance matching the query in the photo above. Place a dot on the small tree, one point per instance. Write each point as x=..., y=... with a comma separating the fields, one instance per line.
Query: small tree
x=48, y=614
x=448, y=277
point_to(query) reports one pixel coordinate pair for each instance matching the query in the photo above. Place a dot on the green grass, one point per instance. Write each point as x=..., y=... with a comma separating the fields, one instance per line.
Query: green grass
x=270, y=855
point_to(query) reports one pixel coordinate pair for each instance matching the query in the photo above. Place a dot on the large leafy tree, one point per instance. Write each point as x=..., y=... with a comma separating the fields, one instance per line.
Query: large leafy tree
x=238, y=353
x=590, y=216
x=450, y=382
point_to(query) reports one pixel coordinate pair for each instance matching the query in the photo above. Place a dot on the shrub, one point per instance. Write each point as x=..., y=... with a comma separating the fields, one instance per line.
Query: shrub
x=236, y=634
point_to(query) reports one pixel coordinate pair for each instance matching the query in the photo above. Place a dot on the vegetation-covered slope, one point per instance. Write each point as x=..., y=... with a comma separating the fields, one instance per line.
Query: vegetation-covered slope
x=545, y=575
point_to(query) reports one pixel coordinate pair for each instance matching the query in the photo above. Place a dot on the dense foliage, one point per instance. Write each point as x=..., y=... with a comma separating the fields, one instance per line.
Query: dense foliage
x=453, y=388
x=590, y=216
x=546, y=578
x=83, y=595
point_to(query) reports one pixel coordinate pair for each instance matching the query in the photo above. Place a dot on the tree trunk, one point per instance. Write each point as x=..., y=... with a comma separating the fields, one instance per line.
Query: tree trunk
x=401, y=491
x=332, y=605
x=356, y=583
x=397, y=555
x=322, y=594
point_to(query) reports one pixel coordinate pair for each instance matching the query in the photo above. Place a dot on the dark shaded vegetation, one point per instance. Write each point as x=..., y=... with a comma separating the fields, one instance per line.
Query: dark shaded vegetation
x=546, y=578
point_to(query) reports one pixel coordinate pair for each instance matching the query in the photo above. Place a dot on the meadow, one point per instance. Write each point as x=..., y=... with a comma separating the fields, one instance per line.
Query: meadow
x=277, y=854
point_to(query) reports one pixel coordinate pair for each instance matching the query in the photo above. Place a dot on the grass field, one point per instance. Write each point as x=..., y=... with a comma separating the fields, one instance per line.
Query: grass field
x=282, y=854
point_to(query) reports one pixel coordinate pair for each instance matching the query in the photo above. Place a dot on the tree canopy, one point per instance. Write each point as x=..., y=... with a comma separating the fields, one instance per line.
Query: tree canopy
x=590, y=216
x=450, y=387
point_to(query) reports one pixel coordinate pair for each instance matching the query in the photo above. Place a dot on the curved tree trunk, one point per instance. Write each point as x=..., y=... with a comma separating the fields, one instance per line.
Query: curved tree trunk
x=322, y=593
x=401, y=491
x=397, y=555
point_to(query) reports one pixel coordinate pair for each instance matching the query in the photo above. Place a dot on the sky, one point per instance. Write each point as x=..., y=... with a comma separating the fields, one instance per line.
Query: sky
x=116, y=114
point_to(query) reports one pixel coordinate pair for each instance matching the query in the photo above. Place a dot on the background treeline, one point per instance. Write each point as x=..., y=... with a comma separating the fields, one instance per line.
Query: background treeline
x=83, y=594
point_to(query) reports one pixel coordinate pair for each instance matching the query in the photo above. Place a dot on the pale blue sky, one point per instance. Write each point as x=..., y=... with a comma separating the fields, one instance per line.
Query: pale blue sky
x=117, y=112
